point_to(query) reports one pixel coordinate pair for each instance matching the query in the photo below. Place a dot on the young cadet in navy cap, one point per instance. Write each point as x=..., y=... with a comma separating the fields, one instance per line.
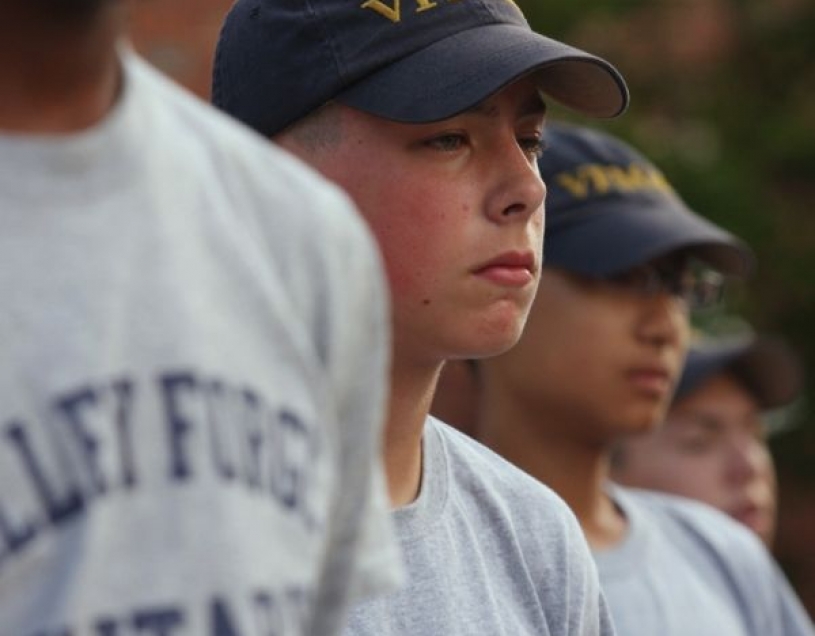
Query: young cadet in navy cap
x=597, y=362
x=430, y=114
x=713, y=443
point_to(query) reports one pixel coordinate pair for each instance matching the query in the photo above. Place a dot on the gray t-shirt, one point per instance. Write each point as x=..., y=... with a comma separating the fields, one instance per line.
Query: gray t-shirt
x=193, y=378
x=685, y=568
x=488, y=551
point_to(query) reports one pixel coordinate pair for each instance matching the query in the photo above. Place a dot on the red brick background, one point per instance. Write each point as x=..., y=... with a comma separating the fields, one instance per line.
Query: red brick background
x=179, y=36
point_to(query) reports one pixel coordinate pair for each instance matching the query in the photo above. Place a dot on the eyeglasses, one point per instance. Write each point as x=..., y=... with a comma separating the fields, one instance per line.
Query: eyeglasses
x=693, y=283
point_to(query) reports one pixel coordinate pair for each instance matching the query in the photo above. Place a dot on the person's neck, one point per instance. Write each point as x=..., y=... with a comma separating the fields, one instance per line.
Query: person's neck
x=549, y=451
x=411, y=394
x=58, y=79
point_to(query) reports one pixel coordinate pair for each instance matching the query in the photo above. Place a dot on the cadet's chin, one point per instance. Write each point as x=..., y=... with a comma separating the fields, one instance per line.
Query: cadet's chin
x=497, y=342
x=643, y=420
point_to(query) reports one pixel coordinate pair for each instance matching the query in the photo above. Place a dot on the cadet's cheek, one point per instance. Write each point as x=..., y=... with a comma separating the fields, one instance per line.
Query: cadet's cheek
x=409, y=257
x=413, y=244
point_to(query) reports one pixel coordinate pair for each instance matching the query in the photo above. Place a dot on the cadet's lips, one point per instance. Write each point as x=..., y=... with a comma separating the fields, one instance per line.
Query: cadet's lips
x=651, y=379
x=510, y=269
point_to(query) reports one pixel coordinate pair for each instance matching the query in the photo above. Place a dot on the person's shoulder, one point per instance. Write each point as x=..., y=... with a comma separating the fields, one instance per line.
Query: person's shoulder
x=253, y=177
x=477, y=464
x=725, y=553
x=506, y=503
x=236, y=150
x=676, y=509
x=698, y=523
x=682, y=509
x=181, y=108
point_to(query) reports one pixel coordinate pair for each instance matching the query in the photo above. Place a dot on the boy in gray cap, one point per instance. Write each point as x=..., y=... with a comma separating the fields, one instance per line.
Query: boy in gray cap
x=430, y=113
x=597, y=362
x=713, y=443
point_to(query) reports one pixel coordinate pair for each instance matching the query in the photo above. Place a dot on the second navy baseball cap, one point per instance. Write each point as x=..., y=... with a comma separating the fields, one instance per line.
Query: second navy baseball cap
x=765, y=365
x=412, y=61
x=609, y=209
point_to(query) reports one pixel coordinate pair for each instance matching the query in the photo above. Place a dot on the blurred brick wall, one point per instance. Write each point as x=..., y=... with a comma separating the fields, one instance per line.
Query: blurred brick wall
x=178, y=36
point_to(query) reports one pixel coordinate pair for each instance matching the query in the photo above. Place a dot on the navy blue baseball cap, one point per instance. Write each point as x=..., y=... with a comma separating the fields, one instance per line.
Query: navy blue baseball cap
x=609, y=209
x=412, y=61
x=765, y=365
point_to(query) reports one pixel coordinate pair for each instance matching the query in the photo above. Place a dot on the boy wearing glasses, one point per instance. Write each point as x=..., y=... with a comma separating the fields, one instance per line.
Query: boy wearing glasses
x=601, y=352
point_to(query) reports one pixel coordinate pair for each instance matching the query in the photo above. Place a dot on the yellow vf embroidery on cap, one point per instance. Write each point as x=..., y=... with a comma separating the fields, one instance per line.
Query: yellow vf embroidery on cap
x=600, y=179
x=393, y=11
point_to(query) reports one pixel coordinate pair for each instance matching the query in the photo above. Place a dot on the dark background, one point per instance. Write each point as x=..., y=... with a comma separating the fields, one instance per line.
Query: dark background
x=723, y=100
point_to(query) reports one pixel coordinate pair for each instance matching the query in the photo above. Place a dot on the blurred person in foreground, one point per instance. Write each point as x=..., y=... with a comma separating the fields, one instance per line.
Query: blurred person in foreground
x=713, y=444
x=190, y=411
x=624, y=263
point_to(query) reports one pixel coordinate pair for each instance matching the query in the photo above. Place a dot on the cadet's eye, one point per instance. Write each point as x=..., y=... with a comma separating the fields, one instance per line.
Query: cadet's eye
x=533, y=146
x=696, y=444
x=448, y=142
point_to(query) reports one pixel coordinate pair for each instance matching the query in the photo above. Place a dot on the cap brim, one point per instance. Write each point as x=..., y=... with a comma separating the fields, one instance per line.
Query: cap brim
x=615, y=236
x=456, y=73
x=766, y=366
